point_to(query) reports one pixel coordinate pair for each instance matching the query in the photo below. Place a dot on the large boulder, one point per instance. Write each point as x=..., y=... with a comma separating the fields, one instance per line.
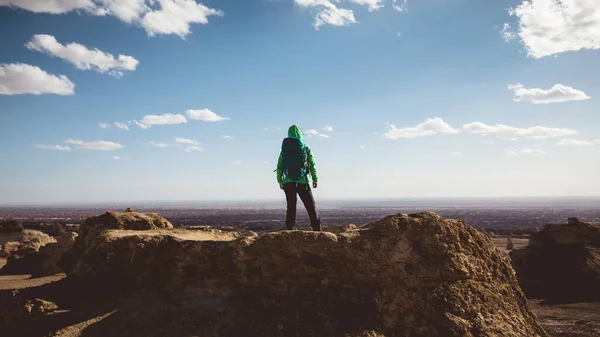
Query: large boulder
x=10, y=226
x=25, y=258
x=405, y=275
x=9, y=248
x=95, y=226
x=561, y=262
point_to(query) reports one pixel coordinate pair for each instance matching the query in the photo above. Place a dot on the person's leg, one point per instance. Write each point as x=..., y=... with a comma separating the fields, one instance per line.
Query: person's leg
x=308, y=200
x=290, y=197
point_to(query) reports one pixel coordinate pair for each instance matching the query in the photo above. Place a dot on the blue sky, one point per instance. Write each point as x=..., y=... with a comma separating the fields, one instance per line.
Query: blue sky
x=455, y=98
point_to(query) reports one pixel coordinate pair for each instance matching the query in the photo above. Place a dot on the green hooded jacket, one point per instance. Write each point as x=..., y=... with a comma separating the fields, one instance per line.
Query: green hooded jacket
x=295, y=132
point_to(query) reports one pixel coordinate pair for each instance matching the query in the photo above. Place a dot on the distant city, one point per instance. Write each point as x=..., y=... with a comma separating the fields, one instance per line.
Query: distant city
x=483, y=213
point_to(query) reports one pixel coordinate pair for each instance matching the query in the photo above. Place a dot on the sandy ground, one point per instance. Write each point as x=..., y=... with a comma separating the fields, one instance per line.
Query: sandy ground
x=9, y=282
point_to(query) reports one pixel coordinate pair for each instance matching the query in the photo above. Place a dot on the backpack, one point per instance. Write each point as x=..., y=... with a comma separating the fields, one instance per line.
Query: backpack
x=295, y=158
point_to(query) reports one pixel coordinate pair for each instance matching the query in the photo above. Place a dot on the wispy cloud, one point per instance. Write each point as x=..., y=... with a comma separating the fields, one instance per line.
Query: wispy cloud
x=431, y=126
x=400, y=5
x=99, y=145
x=82, y=57
x=328, y=128
x=205, y=115
x=514, y=133
x=53, y=147
x=20, y=79
x=528, y=151
x=104, y=125
x=116, y=158
x=457, y=153
x=122, y=126
x=226, y=137
x=190, y=144
x=161, y=145
x=576, y=142
x=328, y=13
x=372, y=4
x=507, y=33
x=557, y=94
x=166, y=119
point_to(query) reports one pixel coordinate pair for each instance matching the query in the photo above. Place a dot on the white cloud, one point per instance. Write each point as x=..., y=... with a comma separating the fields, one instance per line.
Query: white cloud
x=186, y=141
x=507, y=33
x=549, y=27
x=226, y=137
x=82, y=57
x=155, y=16
x=329, y=13
x=99, y=145
x=122, y=126
x=190, y=144
x=457, y=153
x=191, y=148
x=399, y=33
x=205, y=115
x=400, y=6
x=127, y=11
x=323, y=135
x=328, y=129
x=116, y=158
x=236, y=162
x=162, y=145
x=514, y=133
x=53, y=147
x=576, y=142
x=373, y=4
x=431, y=126
x=50, y=6
x=515, y=152
x=104, y=125
x=311, y=132
x=166, y=119
x=20, y=78
x=363, y=147
x=175, y=17
x=489, y=142
x=557, y=94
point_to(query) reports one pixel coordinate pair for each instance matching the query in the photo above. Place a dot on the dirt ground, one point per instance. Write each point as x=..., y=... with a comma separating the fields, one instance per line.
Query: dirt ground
x=568, y=320
x=500, y=242
x=560, y=320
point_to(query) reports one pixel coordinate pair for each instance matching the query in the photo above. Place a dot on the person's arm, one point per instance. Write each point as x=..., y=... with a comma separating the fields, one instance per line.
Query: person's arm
x=280, y=169
x=312, y=165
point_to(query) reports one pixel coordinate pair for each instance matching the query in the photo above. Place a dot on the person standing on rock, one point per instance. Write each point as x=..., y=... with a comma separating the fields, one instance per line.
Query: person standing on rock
x=296, y=162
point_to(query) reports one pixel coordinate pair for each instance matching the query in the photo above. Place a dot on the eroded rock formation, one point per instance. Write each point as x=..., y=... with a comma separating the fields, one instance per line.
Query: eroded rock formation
x=405, y=275
x=561, y=262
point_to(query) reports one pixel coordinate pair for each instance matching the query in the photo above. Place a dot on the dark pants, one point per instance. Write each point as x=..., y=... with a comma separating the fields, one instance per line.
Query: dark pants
x=305, y=193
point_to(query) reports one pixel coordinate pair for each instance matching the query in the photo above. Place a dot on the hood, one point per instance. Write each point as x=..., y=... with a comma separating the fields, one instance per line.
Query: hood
x=295, y=132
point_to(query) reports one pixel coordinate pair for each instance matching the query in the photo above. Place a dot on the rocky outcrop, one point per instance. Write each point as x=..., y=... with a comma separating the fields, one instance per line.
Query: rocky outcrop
x=17, y=311
x=561, y=262
x=33, y=257
x=405, y=275
x=10, y=226
x=9, y=248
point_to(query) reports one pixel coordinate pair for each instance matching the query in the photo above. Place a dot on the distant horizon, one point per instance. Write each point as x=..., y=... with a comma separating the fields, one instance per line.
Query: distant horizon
x=326, y=202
